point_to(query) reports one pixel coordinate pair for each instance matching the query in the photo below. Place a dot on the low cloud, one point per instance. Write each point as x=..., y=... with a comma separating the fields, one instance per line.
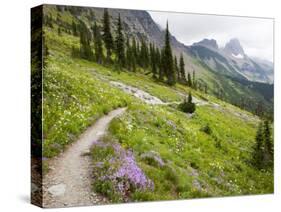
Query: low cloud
x=254, y=34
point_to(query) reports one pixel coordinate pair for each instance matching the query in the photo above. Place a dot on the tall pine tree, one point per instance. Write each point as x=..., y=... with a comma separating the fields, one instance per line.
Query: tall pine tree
x=268, y=142
x=85, y=39
x=168, y=65
x=134, y=54
x=157, y=61
x=176, y=68
x=119, y=44
x=182, y=70
x=194, y=84
x=144, y=55
x=98, y=44
x=107, y=36
x=161, y=64
x=153, y=61
x=189, y=81
x=258, y=154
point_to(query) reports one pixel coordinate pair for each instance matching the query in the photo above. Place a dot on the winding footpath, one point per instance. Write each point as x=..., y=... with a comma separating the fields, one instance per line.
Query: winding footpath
x=69, y=181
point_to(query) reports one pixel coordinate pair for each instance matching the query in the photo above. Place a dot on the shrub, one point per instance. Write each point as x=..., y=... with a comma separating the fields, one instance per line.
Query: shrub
x=187, y=105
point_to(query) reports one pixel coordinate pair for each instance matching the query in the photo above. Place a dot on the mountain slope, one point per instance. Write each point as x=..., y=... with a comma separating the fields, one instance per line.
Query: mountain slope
x=232, y=60
x=214, y=70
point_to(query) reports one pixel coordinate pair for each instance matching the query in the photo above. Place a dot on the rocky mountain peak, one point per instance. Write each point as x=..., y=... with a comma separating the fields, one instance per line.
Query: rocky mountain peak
x=234, y=47
x=208, y=43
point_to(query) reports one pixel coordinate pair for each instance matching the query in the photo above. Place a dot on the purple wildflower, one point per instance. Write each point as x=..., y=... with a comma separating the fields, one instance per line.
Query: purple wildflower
x=130, y=171
x=123, y=172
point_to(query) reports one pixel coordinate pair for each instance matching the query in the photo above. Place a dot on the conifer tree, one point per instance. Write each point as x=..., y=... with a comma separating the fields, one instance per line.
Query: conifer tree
x=129, y=55
x=144, y=55
x=119, y=43
x=134, y=54
x=258, y=154
x=168, y=66
x=138, y=57
x=107, y=36
x=194, y=84
x=268, y=142
x=161, y=65
x=153, y=61
x=134, y=63
x=176, y=68
x=157, y=61
x=85, y=37
x=98, y=44
x=182, y=71
x=74, y=29
x=134, y=47
x=263, y=148
x=189, y=81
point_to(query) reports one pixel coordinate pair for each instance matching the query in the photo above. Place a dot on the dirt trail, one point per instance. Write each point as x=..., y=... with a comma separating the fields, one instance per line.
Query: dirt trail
x=153, y=100
x=68, y=183
x=140, y=94
x=150, y=99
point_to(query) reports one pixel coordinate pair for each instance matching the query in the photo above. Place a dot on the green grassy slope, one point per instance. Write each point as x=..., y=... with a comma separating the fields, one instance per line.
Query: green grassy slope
x=197, y=163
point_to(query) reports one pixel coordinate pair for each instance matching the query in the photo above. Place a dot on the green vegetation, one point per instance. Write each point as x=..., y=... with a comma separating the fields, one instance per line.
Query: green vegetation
x=182, y=71
x=187, y=106
x=177, y=156
x=107, y=36
x=263, y=149
x=120, y=44
x=197, y=163
x=167, y=58
x=73, y=99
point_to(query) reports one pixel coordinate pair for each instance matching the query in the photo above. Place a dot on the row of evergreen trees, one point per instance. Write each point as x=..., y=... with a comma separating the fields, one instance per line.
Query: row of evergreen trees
x=98, y=44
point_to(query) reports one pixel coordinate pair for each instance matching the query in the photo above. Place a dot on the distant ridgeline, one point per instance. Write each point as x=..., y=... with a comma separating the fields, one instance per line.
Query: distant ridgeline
x=129, y=40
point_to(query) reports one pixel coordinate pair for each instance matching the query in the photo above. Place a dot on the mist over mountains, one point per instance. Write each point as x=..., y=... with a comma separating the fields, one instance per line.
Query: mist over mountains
x=232, y=60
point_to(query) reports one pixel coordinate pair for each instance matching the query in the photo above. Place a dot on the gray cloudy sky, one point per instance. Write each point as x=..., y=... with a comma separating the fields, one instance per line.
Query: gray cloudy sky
x=254, y=34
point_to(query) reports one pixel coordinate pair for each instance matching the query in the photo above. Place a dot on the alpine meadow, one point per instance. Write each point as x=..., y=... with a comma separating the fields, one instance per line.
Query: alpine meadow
x=122, y=111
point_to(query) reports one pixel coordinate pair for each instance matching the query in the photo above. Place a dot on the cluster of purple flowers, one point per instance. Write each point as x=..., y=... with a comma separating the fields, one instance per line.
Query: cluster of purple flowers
x=123, y=173
x=130, y=172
